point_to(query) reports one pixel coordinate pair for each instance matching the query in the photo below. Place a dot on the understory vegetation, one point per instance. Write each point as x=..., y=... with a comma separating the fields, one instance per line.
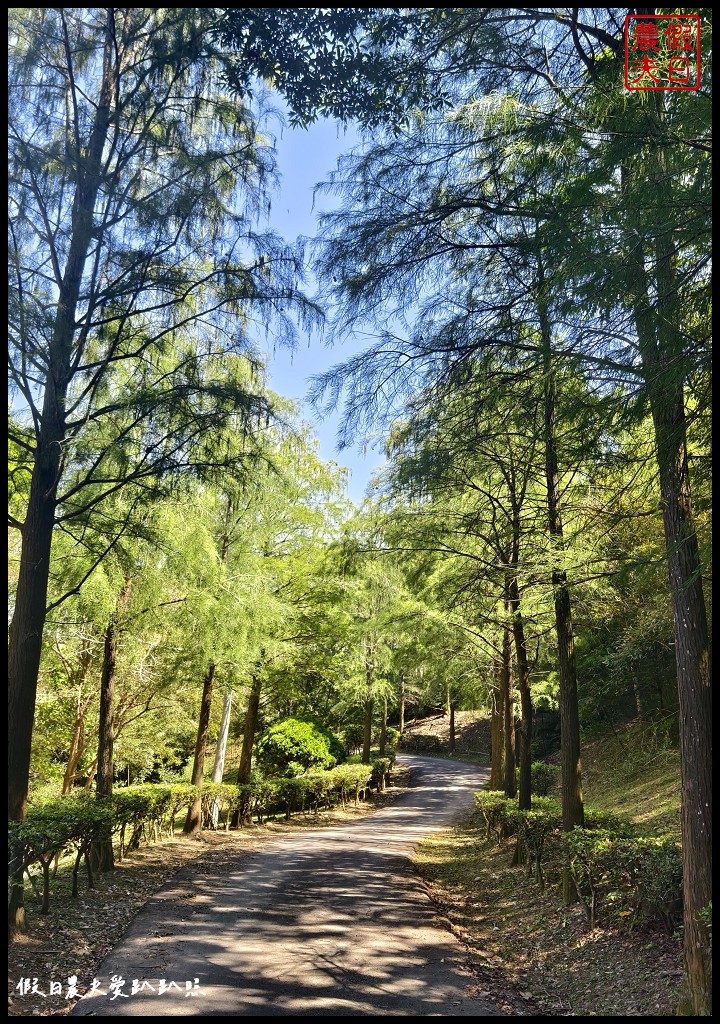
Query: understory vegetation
x=616, y=950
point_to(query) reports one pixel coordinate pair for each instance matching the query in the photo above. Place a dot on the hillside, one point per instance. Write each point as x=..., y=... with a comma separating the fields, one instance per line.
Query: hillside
x=472, y=731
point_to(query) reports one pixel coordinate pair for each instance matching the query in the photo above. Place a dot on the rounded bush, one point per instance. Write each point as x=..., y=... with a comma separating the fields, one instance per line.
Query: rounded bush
x=296, y=746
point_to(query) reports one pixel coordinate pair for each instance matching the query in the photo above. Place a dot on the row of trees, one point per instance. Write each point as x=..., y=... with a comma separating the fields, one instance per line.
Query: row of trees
x=535, y=222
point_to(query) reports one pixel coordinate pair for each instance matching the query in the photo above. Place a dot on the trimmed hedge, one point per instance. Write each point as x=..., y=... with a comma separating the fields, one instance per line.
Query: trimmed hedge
x=72, y=824
x=494, y=807
x=625, y=879
x=533, y=829
x=421, y=744
x=64, y=826
x=295, y=746
x=620, y=877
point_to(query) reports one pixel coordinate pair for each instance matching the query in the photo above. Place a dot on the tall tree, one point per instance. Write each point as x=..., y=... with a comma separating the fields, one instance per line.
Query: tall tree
x=133, y=182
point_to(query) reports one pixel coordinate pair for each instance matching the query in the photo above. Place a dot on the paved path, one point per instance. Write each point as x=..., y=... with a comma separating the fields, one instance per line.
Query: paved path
x=331, y=922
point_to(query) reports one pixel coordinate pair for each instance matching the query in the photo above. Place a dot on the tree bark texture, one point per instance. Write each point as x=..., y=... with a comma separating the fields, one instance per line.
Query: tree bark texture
x=78, y=743
x=402, y=702
x=523, y=677
x=249, y=730
x=103, y=858
x=193, y=822
x=221, y=749
x=383, y=729
x=369, y=702
x=657, y=323
x=570, y=766
x=508, y=715
x=496, y=728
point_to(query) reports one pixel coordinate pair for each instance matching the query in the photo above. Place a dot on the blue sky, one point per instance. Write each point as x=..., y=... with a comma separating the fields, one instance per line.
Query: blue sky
x=306, y=157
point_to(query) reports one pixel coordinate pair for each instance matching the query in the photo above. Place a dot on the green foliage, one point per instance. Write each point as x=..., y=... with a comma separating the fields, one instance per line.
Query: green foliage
x=598, y=820
x=393, y=738
x=625, y=879
x=381, y=770
x=418, y=743
x=149, y=812
x=295, y=746
x=494, y=806
x=620, y=878
x=544, y=777
x=351, y=780
x=325, y=61
x=533, y=828
x=705, y=916
x=51, y=829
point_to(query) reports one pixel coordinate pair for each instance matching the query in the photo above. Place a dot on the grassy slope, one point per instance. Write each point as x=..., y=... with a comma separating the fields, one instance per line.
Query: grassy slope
x=537, y=957
x=634, y=772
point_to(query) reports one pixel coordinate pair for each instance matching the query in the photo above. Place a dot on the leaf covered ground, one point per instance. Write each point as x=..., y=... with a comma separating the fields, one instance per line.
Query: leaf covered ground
x=532, y=947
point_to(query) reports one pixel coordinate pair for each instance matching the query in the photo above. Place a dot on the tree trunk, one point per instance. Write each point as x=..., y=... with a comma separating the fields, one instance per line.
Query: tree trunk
x=692, y=656
x=249, y=730
x=571, y=777
x=28, y=622
x=78, y=745
x=523, y=674
x=220, y=750
x=193, y=822
x=451, y=728
x=221, y=747
x=383, y=729
x=402, y=702
x=76, y=751
x=662, y=345
x=369, y=704
x=496, y=728
x=508, y=715
x=103, y=859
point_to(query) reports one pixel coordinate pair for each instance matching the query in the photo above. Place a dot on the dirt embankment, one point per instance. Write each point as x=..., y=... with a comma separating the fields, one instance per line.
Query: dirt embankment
x=472, y=734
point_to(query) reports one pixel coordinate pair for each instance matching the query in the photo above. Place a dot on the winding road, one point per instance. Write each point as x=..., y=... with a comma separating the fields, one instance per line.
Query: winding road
x=332, y=922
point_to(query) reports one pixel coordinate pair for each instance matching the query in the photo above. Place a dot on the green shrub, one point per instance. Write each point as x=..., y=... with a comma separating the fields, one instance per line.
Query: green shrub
x=421, y=744
x=660, y=882
x=544, y=778
x=381, y=768
x=533, y=828
x=296, y=746
x=625, y=879
x=608, y=821
x=392, y=739
x=218, y=800
x=73, y=823
x=494, y=807
x=48, y=830
x=351, y=780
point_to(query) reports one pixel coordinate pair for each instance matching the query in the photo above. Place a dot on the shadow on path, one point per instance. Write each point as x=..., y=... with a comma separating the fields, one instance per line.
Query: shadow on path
x=333, y=922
